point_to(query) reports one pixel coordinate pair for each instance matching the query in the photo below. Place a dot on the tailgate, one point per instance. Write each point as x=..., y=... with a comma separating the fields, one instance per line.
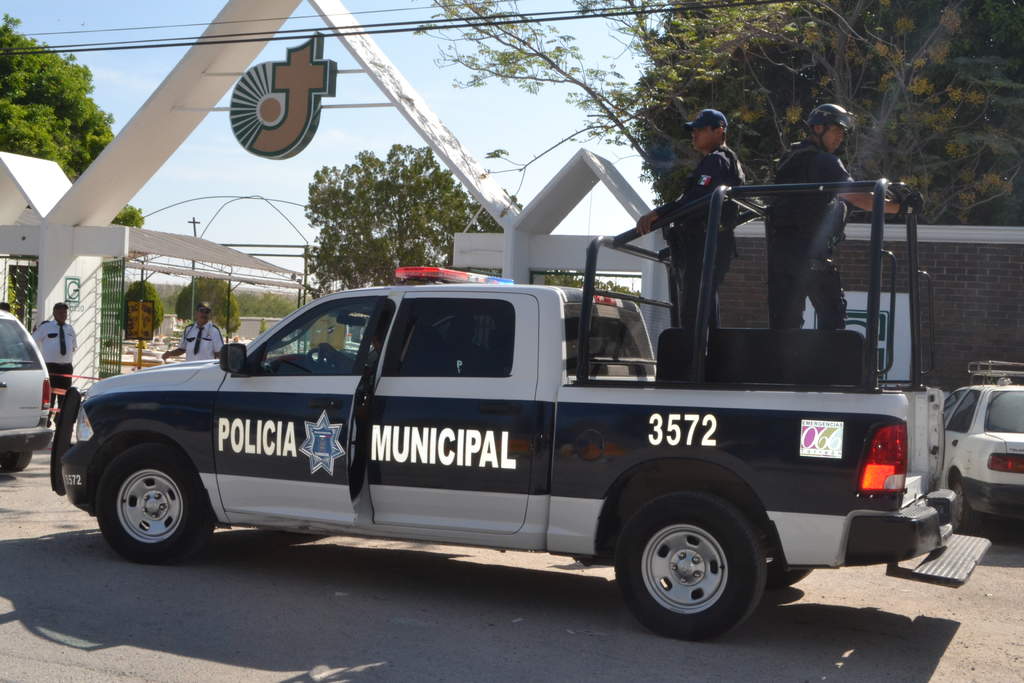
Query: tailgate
x=926, y=437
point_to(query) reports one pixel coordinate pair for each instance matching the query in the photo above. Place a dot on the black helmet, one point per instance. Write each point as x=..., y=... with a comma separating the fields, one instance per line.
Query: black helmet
x=830, y=114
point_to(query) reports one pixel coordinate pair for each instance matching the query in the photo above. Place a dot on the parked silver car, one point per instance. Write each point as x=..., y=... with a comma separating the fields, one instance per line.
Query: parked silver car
x=24, y=396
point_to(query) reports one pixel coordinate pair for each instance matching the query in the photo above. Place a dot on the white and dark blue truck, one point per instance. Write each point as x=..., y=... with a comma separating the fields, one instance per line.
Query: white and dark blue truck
x=539, y=418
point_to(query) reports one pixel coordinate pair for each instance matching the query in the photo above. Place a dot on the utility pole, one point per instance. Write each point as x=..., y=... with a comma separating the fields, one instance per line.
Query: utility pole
x=194, y=223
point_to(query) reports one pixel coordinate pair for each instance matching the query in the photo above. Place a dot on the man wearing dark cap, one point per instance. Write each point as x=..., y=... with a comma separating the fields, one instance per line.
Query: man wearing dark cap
x=719, y=166
x=804, y=229
x=201, y=340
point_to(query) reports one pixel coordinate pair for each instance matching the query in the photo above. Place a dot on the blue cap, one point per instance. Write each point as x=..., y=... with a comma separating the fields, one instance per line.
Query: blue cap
x=706, y=118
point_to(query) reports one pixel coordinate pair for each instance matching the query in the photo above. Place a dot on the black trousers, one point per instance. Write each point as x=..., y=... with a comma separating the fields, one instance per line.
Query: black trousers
x=59, y=379
x=687, y=250
x=797, y=269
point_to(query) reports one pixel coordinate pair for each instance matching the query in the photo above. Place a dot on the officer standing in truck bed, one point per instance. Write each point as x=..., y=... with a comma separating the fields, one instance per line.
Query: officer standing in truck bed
x=804, y=229
x=719, y=166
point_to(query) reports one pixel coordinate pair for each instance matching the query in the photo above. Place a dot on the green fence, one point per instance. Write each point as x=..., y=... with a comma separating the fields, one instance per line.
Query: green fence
x=111, y=317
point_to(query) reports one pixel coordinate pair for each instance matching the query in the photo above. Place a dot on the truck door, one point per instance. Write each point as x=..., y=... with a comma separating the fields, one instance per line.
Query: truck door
x=281, y=434
x=454, y=420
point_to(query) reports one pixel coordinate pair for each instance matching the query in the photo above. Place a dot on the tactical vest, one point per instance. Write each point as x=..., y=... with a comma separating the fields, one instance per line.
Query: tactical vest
x=737, y=178
x=803, y=211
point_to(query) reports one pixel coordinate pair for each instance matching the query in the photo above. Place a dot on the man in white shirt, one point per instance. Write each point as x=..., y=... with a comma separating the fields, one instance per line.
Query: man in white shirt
x=57, y=341
x=201, y=340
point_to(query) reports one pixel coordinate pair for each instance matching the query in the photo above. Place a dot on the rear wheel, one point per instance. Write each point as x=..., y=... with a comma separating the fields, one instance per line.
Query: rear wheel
x=966, y=518
x=152, y=507
x=15, y=462
x=779, y=577
x=690, y=566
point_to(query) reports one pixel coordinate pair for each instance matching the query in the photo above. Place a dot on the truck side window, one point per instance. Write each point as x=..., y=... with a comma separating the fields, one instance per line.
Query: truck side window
x=325, y=341
x=452, y=338
x=960, y=421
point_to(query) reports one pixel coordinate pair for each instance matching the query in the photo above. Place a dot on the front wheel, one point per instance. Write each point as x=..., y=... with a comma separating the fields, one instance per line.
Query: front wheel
x=690, y=566
x=152, y=507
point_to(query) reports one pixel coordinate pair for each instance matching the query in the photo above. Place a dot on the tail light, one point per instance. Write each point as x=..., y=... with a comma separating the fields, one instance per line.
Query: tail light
x=46, y=395
x=885, y=467
x=1006, y=463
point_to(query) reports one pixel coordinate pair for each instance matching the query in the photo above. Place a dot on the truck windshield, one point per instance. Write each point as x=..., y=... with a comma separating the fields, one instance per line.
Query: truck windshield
x=1006, y=413
x=619, y=344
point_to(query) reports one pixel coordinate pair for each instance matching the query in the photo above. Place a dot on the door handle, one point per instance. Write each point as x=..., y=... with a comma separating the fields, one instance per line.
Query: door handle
x=501, y=408
x=3, y=385
x=324, y=403
x=955, y=441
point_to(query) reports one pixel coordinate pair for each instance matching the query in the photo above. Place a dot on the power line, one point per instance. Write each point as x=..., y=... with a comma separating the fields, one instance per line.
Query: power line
x=234, y=21
x=280, y=34
x=383, y=28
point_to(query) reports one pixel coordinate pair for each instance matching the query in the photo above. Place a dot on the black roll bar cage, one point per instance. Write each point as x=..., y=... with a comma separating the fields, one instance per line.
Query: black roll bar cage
x=742, y=197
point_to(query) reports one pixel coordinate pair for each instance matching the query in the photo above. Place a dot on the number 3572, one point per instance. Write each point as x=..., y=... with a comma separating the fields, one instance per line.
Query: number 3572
x=674, y=429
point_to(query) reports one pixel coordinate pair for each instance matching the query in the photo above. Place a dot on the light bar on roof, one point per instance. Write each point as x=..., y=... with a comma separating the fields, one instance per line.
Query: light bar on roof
x=431, y=274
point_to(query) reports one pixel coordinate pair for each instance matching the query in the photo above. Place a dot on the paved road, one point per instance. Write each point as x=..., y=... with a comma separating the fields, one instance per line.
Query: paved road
x=262, y=606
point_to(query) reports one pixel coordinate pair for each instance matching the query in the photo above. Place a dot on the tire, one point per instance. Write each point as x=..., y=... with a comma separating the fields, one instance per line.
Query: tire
x=15, y=462
x=723, y=578
x=965, y=518
x=779, y=578
x=152, y=507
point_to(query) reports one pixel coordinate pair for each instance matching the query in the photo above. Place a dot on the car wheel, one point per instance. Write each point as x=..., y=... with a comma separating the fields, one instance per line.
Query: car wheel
x=779, y=578
x=690, y=566
x=966, y=519
x=15, y=462
x=152, y=507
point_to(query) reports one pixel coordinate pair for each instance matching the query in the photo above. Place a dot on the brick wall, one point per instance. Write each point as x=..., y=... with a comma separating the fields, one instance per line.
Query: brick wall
x=979, y=297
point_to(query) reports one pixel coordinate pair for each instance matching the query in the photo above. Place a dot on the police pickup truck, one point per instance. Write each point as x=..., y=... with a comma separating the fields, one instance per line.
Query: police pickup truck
x=532, y=418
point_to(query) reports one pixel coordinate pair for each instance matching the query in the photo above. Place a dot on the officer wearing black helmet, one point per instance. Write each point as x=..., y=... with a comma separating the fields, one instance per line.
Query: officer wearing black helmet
x=719, y=166
x=803, y=229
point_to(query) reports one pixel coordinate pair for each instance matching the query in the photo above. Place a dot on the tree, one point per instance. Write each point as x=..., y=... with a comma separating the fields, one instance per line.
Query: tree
x=130, y=216
x=223, y=304
x=145, y=291
x=377, y=214
x=45, y=106
x=935, y=85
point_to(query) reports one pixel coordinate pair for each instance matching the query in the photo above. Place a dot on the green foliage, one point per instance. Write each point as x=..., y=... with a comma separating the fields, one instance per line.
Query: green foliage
x=377, y=214
x=45, y=106
x=935, y=84
x=252, y=302
x=130, y=216
x=224, y=305
x=574, y=279
x=145, y=291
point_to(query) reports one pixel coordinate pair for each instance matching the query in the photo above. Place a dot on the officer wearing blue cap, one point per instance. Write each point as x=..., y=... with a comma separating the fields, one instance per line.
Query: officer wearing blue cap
x=719, y=166
x=803, y=230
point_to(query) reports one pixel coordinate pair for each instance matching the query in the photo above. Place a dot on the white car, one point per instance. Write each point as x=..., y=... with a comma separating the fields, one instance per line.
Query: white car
x=24, y=396
x=985, y=451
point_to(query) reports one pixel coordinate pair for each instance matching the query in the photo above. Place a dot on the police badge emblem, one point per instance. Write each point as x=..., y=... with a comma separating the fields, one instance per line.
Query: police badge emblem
x=322, y=444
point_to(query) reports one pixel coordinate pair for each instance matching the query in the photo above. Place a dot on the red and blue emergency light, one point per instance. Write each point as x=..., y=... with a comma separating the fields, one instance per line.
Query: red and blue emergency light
x=429, y=274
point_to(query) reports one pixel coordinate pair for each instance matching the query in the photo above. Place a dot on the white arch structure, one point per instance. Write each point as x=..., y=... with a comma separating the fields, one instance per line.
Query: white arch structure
x=68, y=225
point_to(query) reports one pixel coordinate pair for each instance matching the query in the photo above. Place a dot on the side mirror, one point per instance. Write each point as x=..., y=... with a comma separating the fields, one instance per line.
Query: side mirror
x=233, y=358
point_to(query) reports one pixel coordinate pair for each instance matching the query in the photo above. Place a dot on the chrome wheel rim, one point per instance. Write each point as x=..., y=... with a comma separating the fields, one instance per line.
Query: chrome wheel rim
x=149, y=506
x=684, y=569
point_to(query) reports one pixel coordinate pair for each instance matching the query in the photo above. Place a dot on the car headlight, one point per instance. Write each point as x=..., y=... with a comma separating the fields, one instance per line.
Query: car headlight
x=83, y=427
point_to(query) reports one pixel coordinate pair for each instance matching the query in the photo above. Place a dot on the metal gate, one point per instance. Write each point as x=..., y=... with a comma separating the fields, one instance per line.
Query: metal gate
x=111, y=317
x=21, y=276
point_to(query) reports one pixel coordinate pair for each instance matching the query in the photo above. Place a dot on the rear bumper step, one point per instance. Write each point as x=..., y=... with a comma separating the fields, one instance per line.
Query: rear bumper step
x=947, y=566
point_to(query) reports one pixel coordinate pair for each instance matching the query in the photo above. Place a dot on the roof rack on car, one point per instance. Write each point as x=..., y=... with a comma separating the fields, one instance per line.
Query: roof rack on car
x=995, y=372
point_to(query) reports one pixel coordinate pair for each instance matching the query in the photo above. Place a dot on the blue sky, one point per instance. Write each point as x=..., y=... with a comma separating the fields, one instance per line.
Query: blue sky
x=211, y=162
